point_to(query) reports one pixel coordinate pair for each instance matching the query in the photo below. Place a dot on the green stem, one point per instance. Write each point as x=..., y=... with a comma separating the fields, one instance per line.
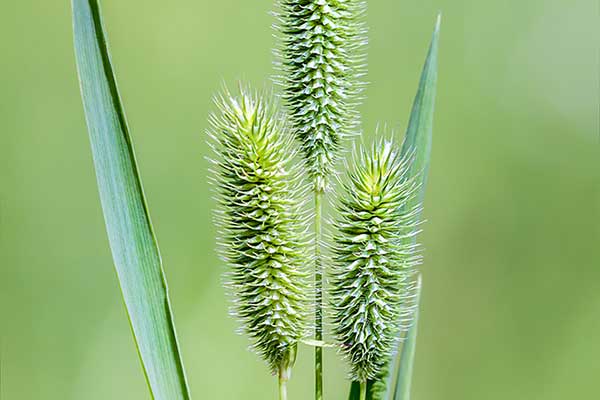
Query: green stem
x=318, y=297
x=363, y=390
x=282, y=386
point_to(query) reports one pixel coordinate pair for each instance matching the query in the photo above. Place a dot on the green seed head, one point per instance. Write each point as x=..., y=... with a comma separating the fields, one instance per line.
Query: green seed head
x=261, y=224
x=322, y=61
x=374, y=258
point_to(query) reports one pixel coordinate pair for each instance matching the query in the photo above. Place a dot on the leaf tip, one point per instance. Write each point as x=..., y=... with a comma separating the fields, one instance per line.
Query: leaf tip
x=436, y=31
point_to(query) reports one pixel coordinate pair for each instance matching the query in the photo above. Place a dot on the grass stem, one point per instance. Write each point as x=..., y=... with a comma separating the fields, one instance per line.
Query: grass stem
x=318, y=296
x=363, y=390
x=282, y=386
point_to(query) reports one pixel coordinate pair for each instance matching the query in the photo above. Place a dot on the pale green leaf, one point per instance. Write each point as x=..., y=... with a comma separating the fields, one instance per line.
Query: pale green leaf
x=132, y=241
x=420, y=126
x=418, y=139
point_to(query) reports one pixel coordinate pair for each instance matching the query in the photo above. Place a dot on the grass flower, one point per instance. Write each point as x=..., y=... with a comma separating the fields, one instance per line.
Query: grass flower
x=373, y=257
x=323, y=62
x=261, y=225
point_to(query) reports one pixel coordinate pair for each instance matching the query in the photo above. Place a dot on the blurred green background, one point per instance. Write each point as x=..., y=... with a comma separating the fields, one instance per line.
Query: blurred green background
x=511, y=306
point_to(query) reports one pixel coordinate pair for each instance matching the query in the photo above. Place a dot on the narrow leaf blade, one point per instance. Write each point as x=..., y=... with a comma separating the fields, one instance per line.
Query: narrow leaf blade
x=407, y=355
x=131, y=237
x=418, y=138
x=419, y=134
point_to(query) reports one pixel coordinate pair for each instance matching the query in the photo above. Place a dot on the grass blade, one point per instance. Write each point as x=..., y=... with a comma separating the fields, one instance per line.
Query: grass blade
x=420, y=126
x=132, y=241
x=407, y=355
x=418, y=139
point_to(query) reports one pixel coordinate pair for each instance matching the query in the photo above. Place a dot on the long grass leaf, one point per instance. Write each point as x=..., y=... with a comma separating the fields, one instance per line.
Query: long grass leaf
x=132, y=241
x=418, y=139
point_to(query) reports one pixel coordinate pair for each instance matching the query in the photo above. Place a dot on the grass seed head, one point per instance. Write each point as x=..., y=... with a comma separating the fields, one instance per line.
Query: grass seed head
x=374, y=257
x=322, y=60
x=261, y=224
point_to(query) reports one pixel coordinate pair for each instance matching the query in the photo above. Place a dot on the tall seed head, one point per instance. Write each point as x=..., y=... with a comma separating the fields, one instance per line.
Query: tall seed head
x=322, y=61
x=261, y=224
x=373, y=257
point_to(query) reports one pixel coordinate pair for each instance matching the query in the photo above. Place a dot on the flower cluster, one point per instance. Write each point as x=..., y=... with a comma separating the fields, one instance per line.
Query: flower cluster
x=374, y=257
x=260, y=221
x=323, y=62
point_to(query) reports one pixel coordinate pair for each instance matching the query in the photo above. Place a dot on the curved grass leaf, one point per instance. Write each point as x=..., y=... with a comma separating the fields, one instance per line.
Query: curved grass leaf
x=132, y=241
x=418, y=138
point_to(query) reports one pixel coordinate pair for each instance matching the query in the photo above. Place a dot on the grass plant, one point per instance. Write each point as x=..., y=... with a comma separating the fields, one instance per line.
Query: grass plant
x=267, y=163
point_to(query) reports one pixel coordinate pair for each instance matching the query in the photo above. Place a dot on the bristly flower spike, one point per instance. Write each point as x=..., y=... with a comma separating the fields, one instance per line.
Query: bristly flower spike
x=374, y=258
x=323, y=61
x=261, y=224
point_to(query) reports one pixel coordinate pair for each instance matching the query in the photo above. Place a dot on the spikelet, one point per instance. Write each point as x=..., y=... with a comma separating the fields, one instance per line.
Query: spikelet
x=322, y=60
x=261, y=225
x=374, y=259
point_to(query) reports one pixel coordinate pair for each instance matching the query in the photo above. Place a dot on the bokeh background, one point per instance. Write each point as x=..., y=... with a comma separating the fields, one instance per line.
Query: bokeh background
x=511, y=306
